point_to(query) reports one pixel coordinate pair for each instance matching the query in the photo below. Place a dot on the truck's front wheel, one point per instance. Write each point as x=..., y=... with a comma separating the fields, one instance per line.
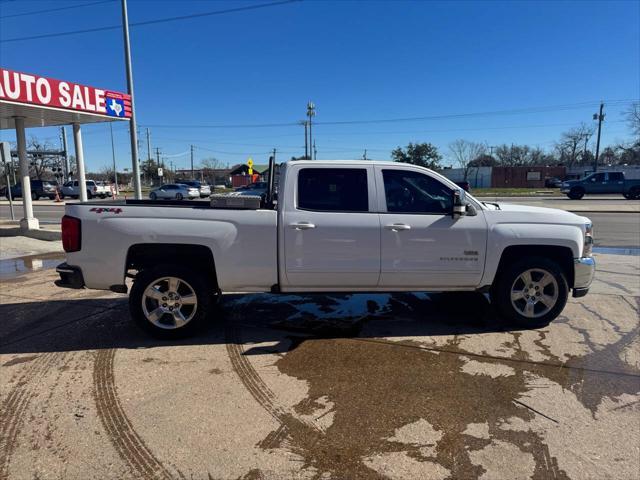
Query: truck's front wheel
x=531, y=292
x=170, y=301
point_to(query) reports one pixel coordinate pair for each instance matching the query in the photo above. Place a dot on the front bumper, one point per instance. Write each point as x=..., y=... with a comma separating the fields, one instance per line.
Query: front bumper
x=584, y=271
x=70, y=277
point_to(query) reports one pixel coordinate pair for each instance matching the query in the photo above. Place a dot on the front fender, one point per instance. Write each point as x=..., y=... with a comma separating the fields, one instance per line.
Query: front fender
x=506, y=235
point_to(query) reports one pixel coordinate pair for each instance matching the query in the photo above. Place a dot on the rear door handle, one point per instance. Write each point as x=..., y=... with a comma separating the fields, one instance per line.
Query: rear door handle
x=302, y=225
x=396, y=227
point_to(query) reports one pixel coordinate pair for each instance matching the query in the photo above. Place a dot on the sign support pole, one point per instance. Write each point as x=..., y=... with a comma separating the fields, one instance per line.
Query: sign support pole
x=28, y=222
x=82, y=181
x=132, y=123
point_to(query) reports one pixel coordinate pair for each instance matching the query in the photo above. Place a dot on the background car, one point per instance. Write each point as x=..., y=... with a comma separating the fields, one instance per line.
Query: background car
x=174, y=191
x=552, y=182
x=257, y=189
x=464, y=185
x=72, y=189
x=205, y=190
x=39, y=188
x=104, y=190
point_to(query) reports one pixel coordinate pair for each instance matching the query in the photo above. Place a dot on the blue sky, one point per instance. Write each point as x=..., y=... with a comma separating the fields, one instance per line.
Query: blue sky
x=357, y=60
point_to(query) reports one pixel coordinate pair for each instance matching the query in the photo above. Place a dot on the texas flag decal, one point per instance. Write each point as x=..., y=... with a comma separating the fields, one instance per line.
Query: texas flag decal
x=116, y=105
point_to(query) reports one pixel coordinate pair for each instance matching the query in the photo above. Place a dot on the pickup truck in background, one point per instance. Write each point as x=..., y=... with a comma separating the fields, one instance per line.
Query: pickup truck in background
x=602, y=182
x=71, y=189
x=337, y=226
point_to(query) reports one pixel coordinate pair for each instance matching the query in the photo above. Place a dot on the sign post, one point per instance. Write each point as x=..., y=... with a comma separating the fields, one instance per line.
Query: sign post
x=5, y=152
x=160, y=174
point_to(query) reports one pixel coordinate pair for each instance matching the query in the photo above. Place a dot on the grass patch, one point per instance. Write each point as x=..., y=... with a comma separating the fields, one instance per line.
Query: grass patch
x=514, y=192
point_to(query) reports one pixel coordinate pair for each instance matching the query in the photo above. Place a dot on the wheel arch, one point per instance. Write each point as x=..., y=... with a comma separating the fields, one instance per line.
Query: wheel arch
x=563, y=256
x=145, y=255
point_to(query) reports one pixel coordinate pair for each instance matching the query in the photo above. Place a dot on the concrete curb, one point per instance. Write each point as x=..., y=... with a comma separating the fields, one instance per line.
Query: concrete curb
x=48, y=235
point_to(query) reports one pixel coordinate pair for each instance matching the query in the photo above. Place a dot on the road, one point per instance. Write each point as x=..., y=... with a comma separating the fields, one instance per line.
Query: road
x=618, y=230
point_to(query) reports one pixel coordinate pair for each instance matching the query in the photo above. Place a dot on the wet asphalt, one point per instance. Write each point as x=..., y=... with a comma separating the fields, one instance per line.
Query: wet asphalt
x=409, y=385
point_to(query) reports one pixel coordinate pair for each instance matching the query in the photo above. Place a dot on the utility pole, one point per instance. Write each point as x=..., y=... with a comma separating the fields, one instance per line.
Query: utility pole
x=148, y=145
x=158, y=162
x=364, y=157
x=315, y=151
x=311, y=111
x=192, y=178
x=306, y=145
x=132, y=122
x=63, y=132
x=113, y=155
x=600, y=118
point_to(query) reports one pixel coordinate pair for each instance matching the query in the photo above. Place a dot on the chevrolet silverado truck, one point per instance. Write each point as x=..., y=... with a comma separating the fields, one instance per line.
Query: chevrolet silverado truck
x=335, y=226
x=602, y=182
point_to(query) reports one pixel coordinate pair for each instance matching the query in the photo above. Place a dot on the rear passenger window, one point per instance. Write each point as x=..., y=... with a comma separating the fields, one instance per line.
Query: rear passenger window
x=333, y=189
x=616, y=177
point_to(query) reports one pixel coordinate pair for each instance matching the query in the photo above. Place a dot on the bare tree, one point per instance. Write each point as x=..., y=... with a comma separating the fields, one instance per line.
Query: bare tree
x=41, y=161
x=573, y=145
x=210, y=163
x=633, y=116
x=464, y=153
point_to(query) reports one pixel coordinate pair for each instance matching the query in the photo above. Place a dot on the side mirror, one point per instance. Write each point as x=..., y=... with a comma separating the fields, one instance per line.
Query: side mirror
x=459, y=208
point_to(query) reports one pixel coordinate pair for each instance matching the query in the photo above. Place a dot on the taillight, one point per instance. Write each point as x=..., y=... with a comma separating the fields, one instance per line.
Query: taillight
x=71, y=234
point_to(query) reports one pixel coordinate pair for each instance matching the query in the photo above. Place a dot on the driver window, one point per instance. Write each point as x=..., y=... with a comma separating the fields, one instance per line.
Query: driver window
x=413, y=192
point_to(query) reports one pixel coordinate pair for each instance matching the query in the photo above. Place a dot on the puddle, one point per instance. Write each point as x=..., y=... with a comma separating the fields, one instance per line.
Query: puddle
x=15, y=267
x=432, y=412
x=617, y=250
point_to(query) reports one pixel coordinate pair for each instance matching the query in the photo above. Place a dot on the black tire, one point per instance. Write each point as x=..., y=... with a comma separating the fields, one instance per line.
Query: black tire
x=89, y=195
x=192, y=279
x=34, y=196
x=153, y=196
x=634, y=193
x=51, y=197
x=576, y=193
x=508, y=280
x=179, y=196
x=61, y=196
x=628, y=196
x=102, y=197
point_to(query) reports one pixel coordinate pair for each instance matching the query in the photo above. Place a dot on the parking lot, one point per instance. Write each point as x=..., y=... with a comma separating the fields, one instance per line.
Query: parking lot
x=333, y=386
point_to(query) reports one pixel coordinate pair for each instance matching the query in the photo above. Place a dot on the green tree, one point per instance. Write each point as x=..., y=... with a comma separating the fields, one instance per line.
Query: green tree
x=422, y=154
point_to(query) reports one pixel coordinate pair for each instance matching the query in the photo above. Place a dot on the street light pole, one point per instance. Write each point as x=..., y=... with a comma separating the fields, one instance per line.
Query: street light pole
x=132, y=125
x=113, y=156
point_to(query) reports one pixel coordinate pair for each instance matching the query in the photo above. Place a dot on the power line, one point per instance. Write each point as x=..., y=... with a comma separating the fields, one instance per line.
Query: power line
x=519, y=111
x=151, y=22
x=36, y=12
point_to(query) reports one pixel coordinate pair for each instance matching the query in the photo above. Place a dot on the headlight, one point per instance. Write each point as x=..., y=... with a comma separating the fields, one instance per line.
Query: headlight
x=588, y=240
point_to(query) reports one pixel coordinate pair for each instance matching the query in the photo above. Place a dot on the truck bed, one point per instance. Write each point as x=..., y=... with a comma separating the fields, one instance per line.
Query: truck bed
x=243, y=242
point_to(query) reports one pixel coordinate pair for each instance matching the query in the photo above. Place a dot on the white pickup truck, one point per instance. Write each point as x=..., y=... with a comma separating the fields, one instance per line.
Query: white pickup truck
x=337, y=226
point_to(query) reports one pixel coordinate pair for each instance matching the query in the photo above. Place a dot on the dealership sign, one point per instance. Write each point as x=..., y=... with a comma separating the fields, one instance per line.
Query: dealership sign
x=46, y=92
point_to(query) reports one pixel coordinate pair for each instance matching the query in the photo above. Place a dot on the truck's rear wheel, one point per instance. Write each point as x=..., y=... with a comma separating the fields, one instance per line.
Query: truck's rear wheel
x=634, y=194
x=170, y=301
x=576, y=193
x=531, y=292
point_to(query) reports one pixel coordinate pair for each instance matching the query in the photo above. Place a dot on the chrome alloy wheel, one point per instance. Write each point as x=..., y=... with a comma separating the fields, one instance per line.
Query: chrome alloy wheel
x=169, y=303
x=534, y=292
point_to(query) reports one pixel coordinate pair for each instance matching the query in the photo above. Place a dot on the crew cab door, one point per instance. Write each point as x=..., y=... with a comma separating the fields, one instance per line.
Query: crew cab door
x=422, y=245
x=330, y=229
x=597, y=183
x=616, y=182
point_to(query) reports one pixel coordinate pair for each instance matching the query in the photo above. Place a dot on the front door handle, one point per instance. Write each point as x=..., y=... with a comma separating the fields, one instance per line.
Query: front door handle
x=302, y=225
x=396, y=227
